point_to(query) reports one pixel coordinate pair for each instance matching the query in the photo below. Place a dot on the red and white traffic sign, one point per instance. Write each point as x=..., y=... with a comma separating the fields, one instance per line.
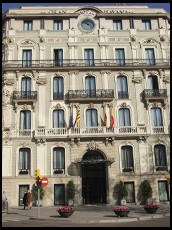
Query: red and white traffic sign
x=44, y=181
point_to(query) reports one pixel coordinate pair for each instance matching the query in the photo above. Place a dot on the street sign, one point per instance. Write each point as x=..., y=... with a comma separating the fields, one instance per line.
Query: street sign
x=44, y=181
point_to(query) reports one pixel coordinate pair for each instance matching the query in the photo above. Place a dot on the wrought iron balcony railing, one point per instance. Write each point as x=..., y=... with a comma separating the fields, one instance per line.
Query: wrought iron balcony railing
x=83, y=63
x=155, y=93
x=25, y=95
x=58, y=96
x=82, y=94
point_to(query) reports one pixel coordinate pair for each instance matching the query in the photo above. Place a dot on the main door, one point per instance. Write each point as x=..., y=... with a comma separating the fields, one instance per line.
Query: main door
x=94, y=179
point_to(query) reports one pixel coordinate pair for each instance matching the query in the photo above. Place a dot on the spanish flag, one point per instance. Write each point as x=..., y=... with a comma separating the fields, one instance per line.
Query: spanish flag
x=105, y=117
x=112, y=117
x=77, y=117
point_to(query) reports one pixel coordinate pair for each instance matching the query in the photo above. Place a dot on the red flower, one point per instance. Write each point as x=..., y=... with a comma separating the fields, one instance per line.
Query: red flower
x=121, y=208
x=66, y=208
x=151, y=205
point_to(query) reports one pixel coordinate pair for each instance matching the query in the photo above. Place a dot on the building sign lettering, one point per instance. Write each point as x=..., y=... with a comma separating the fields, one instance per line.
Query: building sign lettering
x=116, y=11
x=87, y=12
x=57, y=12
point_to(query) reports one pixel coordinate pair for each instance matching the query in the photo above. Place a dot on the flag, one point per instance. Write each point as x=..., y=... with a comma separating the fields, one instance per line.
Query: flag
x=77, y=117
x=105, y=117
x=71, y=118
x=112, y=117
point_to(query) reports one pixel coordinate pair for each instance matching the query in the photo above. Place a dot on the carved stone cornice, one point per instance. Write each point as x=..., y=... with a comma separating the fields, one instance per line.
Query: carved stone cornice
x=57, y=106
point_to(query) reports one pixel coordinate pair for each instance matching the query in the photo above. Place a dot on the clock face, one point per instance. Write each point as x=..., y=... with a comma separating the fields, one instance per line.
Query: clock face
x=87, y=25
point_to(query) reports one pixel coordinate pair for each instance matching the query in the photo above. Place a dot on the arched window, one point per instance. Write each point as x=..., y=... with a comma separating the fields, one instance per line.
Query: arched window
x=24, y=160
x=58, y=158
x=58, y=119
x=122, y=87
x=90, y=86
x=127, y=158
x=58, y=88
x=91, y=118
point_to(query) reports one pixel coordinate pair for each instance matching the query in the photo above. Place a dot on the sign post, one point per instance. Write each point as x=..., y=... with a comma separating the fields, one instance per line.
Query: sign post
x=44, y=181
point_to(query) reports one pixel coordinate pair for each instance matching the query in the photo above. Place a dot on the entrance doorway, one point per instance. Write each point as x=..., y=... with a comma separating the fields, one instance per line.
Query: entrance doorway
x=94, y=178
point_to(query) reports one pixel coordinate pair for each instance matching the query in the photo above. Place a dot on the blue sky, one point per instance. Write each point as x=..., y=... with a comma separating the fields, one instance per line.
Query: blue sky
x=6, y=6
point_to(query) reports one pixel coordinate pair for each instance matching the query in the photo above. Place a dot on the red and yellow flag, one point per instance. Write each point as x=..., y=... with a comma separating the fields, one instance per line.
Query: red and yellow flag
x=112, y=119
x=77, y=117
x=105, y=117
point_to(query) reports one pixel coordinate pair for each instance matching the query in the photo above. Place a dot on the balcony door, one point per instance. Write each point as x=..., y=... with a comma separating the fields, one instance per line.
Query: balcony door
x=89, y=57
x=26, y=87
x=27, y=58
x=90, y=86
x=150, y=56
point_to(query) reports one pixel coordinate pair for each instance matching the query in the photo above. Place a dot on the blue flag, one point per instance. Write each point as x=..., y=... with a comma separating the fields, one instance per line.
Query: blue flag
x=71, y=119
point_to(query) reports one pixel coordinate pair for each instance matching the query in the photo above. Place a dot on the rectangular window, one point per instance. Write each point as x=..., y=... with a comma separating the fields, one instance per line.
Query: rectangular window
x=124, y=117
x=42, y=23
x=27, y=25
x=25, y=123
x=127, y=158
x=163, y=191
x=24, y=159
x=58, y=88
x=22, y=189
x=146, y=25
x=122, y=87
x=27, y=58
x=160, y=155
x=150, y=56
x=90, y=86
x=89, y=57
x=117, y=25
x=58, y=57
x=58, y=25
x=58, y=158
x=120, y=57
x=131, y=192
x=59, y=194
x=131, y=23
x=26, y=88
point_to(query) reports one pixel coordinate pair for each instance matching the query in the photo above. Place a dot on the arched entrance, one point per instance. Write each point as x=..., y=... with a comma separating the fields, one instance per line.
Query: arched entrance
x=93, y=166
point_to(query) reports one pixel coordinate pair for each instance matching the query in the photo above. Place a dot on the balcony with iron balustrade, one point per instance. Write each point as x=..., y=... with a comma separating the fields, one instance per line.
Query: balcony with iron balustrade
x=153, y=95
x=84, y=64
x=24, y=97
x=87, y=95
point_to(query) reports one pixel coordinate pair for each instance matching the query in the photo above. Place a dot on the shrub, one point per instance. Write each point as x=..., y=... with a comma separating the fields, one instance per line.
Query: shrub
x=145, y=191
x=120, y=191
x=35, y=192
x=70, y=190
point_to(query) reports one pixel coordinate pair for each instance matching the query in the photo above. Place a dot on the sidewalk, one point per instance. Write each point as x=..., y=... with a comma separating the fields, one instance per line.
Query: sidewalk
x=86, y=214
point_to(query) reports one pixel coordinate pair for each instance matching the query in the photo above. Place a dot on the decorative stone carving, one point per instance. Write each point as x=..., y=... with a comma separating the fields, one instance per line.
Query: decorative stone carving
x=27, y=43
x=78, y=141
x=73, y=72
x=91, y=105
x=89, y=73
x=166, y=79
x=72, y=142
x=8, y=81
x=25, y=107
x=159, y=141
x=24, y=144
x=162, y=39
x=123, y=105
x=41, y=81
x=41, y=141
x=142, y=139
x=107, y=141
x=57, y=74
x=133, y=38
x=58, y=106
x=121, y=72
x=5, y=97
x=137, y=79
x=41, y=38
x=149, y=40
x=92, y=145
x=7, y=142
x=105, y=72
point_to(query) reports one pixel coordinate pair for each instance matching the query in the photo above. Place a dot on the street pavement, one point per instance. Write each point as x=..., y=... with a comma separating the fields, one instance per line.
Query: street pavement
x=85, y=214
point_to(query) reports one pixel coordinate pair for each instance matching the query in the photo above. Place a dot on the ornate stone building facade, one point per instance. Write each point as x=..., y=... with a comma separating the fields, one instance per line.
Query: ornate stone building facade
x=86, y=97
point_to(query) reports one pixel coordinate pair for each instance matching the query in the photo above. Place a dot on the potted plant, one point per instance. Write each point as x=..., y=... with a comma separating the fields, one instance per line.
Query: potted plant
x=120, y=193
x=35, y=194
x=121, y=211
x=145, y=192
x=151, y=208
x=66, y=211
x=70, y=192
